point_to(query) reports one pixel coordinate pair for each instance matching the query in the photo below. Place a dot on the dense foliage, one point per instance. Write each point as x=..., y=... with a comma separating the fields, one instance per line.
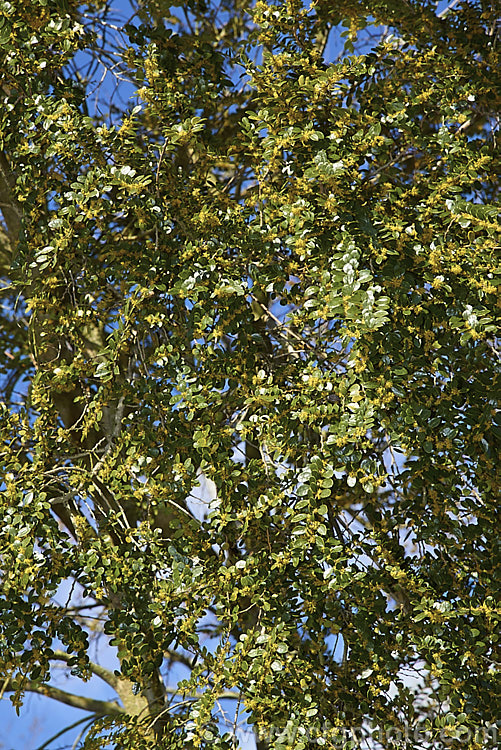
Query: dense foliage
x=248, y=255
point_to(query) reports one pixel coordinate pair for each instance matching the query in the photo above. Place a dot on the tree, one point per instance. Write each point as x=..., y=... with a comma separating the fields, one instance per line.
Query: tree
x=274, y=275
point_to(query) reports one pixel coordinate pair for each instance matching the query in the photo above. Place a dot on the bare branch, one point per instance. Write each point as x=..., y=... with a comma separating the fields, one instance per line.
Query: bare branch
x=97, y=669
x=448, y=8
x=93, y=705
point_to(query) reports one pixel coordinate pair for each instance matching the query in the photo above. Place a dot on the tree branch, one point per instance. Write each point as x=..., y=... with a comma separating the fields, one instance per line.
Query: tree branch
x=449, y=7
x=102, y=708
x=8, y=204
x=105, y=674
x=174, y=656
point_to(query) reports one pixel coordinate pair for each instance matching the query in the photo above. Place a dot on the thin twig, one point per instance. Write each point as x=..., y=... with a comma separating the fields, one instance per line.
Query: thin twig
x=67, y=729
x=281, y=324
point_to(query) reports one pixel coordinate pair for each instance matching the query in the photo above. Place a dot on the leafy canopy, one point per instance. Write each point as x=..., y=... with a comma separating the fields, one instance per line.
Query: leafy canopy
x=249, y=251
